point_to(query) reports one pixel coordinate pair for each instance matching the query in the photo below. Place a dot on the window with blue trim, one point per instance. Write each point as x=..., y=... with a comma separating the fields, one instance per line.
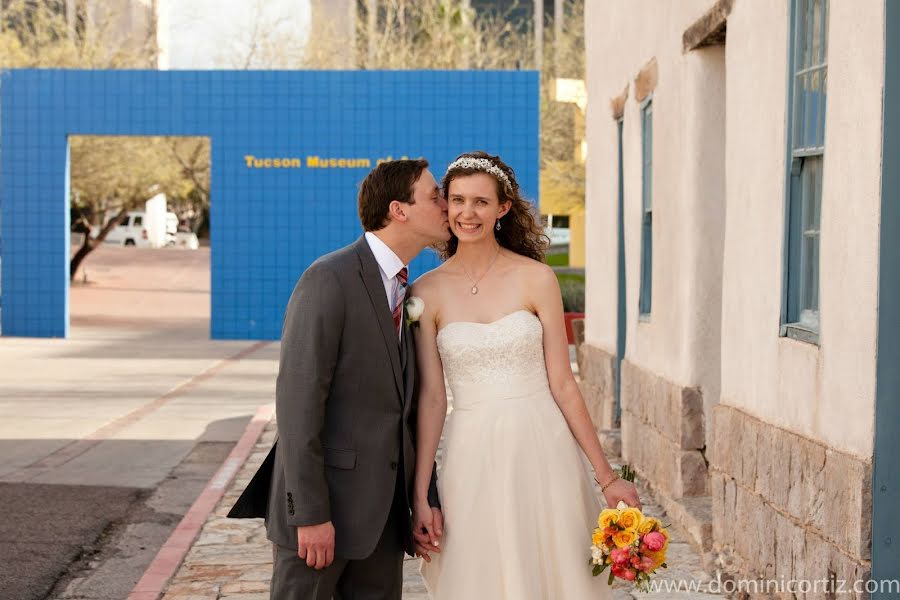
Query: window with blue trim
x=646, y=293
x=807, y=99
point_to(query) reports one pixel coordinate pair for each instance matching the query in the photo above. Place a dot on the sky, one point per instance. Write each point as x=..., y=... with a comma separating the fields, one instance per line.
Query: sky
x=216, y=34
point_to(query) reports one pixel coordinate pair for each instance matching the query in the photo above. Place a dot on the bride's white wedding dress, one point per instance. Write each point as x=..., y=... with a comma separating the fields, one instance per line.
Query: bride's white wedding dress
x=519, y=506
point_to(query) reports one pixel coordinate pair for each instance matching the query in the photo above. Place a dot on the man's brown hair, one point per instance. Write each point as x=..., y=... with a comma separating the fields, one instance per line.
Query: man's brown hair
x=389, y=181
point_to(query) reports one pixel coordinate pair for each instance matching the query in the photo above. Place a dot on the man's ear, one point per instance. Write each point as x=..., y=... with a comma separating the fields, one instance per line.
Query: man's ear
x=397, y=211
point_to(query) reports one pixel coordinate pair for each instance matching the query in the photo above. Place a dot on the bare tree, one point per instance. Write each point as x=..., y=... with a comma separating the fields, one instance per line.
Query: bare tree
x=440, y=34
x=272, y=42
x=50, y=34
x=193, y=158
x=562, y=123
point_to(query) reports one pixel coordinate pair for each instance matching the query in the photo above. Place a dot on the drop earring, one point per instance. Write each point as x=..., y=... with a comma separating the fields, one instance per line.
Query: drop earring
x=497, y=226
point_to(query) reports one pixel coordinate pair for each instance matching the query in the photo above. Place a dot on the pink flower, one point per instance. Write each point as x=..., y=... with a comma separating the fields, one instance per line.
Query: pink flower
x=629, y=574
x=654, y=541
x=620, y=556
x=635, y=561
x=645, y=565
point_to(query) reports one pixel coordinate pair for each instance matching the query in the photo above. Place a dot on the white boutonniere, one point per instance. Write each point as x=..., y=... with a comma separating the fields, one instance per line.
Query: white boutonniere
x=415, y=306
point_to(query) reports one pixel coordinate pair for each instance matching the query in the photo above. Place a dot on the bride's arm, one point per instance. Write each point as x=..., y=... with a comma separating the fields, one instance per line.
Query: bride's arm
x=432, y=410
x=548, y=302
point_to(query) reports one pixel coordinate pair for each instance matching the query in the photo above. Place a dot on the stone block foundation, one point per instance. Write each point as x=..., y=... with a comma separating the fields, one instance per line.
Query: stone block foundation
x=663, y=433
x=787, y=507
x=597, y=369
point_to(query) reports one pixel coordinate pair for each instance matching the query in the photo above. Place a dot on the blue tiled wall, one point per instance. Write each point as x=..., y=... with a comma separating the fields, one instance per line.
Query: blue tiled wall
x=267, y=225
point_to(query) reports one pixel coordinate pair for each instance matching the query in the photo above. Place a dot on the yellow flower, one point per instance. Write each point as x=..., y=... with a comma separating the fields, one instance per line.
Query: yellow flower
x=649, y=524
x=597, y=538
x=624, y=538
x=630, y=518
x=607, y=518
x=658, y=558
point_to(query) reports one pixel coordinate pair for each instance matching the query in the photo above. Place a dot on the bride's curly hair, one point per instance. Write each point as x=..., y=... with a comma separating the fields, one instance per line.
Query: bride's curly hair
x=520, y=228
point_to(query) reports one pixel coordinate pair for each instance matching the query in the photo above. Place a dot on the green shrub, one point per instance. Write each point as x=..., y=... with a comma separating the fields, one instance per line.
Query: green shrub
x=572, y=290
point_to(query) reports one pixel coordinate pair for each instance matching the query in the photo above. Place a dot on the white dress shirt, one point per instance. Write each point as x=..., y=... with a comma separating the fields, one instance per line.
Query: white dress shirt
x=389, y=264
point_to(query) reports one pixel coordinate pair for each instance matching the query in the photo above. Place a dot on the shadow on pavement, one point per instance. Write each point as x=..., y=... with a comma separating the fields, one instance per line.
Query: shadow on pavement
x=67, y=539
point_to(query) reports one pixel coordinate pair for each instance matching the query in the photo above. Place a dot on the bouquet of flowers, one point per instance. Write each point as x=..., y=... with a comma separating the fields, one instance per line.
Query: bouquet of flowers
x=632, y=545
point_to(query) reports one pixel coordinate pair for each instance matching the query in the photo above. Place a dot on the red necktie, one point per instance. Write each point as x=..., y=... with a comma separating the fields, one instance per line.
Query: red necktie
x=402, y=279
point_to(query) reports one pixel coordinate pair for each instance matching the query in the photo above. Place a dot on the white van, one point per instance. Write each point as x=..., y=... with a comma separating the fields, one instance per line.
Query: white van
x=134, y=231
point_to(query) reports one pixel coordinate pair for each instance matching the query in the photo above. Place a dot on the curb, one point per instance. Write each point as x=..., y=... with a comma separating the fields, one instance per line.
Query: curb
x=173, y=551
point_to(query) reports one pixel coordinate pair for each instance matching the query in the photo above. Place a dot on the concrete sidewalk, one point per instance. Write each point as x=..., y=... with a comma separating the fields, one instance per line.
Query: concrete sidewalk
x=232, y=560
x=108, y=437
x=105, y=441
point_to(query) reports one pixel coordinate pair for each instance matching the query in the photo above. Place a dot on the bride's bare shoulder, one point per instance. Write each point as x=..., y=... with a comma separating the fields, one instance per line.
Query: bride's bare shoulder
x=429, y=283
x=531, y=271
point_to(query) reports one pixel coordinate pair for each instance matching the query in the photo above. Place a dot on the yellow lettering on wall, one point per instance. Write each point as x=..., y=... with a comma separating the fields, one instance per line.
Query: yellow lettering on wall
x=313, y=161
x=319, y=162
x=272, y=163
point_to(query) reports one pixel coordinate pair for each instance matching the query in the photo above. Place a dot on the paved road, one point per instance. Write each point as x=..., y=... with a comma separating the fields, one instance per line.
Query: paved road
x=107, y=437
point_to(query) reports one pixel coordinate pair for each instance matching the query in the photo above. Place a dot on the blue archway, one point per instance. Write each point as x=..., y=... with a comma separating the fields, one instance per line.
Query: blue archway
x=288, y=151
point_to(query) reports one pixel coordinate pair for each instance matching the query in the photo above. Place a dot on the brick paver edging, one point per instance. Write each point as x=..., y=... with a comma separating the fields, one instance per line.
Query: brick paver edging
x=172, y=553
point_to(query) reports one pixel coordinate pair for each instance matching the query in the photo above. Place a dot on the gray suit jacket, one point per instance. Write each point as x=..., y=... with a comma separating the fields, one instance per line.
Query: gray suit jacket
x=345, y=404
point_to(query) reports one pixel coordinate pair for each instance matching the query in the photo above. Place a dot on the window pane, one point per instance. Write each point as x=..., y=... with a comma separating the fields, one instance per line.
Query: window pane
x=647, y=157
x=809, y=250
x=797, y=115
x=646, y=292
x=809, y=211
x=809, y=290
x=823, y=98
x=806, y=61
x=808, y=106
x=816, y=206
x=138, y=220
x=816, y=31
x=799, y=34
x=809, y=117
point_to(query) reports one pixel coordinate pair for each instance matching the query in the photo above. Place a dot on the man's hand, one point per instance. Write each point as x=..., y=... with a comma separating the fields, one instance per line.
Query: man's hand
x=315, y=545
x=428, y=528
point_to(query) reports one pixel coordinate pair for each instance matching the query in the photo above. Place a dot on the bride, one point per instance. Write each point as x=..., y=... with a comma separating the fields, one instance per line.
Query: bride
x=518, y=505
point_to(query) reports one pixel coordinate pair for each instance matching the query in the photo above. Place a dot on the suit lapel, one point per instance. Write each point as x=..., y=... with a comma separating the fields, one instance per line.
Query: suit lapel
x=409, y=361
x=371, y=277
x=404, y=341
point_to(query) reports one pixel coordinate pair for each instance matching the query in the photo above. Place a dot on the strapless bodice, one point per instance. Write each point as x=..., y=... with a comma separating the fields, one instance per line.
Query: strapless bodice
x=496, y=360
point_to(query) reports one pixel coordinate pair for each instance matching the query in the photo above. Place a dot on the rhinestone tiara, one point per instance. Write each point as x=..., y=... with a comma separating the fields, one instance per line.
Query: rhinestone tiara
x=481, y=164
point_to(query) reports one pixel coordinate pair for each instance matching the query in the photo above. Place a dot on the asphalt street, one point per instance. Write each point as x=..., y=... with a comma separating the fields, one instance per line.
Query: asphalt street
x=107, y=437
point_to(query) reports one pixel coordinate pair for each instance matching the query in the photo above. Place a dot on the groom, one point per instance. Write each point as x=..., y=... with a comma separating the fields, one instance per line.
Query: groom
x=335, y=489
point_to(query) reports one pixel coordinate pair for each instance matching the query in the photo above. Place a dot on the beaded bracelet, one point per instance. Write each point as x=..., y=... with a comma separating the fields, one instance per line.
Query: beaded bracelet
x=608, y=483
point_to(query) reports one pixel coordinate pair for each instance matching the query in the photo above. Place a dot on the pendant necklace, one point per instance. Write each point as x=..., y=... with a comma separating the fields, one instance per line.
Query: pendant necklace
x=475, y=281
